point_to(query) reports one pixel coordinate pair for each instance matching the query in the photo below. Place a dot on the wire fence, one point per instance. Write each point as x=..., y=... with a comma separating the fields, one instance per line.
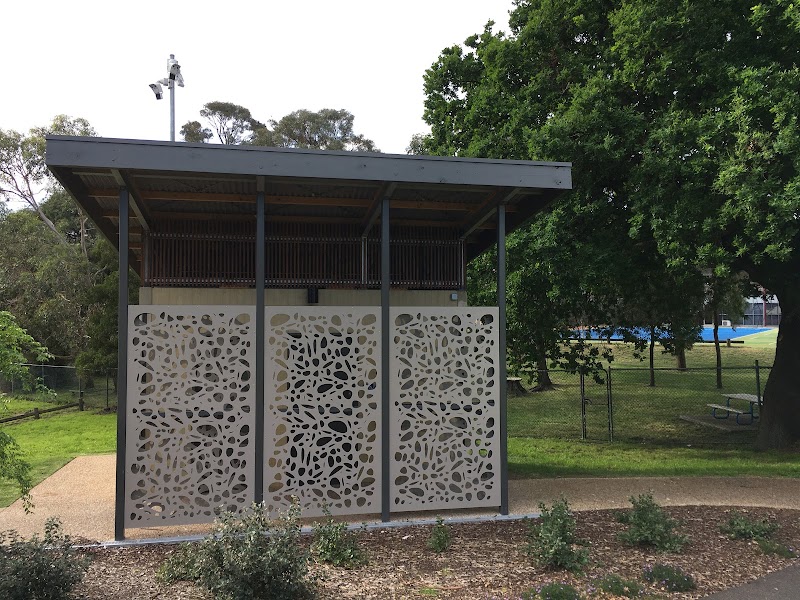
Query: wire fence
x=618, y=404
x=64, y=385
x=682, y=406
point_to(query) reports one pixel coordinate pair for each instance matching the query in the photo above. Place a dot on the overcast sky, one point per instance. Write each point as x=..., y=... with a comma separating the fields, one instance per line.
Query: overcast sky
x=95, y=60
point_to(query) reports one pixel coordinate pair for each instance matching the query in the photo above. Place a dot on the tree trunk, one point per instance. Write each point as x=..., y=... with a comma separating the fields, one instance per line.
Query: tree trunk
x=680, y=358
x=652, y=357
x=543, y=381
x=716, y=348
x=779, y=425
x=50, y=225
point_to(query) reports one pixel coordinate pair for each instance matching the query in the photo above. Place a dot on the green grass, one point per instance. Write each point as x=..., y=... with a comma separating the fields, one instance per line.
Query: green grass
x=532, y=458
x=56, y=438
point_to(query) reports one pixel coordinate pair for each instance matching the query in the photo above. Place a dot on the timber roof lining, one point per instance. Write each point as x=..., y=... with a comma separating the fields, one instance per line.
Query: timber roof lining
x=169, y=180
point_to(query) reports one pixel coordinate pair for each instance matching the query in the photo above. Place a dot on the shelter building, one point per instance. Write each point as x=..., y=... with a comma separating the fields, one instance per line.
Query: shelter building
x=303, y=329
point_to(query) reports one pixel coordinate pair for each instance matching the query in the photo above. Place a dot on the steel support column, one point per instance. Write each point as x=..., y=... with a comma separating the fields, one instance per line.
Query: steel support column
x=386, y=281
x=501, y=371
x=122, y=366
x=258, y=495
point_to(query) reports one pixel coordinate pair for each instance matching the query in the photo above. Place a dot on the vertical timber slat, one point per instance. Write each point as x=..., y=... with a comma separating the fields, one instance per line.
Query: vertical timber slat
x=122, y=367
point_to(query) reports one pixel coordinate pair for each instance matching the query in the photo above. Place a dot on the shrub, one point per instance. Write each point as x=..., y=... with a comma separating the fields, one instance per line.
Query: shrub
x=649, y=525
x=440, y=538
x=552, y=542
x=39, y=569
x=740, y=527
x=247, y=557
x=335, y=545
x=553, y=591
x=770, y=547
x=617, y=586
x=672, y=579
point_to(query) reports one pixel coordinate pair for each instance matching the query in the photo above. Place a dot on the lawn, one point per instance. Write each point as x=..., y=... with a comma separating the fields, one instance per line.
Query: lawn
x=56, y=438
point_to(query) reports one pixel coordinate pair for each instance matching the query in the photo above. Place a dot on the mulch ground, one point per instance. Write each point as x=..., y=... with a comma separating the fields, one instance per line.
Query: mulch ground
x=487, y=561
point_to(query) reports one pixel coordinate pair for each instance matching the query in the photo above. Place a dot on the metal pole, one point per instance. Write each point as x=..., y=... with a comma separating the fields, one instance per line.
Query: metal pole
x=122, y=366
x=610, y=406
x=386, y=487
x=501, y=370
x=260, y=351
x=758, y=384
x=583, y=404
x=172, y=106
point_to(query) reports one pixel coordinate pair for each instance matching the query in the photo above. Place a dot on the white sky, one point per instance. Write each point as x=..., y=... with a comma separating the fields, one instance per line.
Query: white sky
x=95, y=59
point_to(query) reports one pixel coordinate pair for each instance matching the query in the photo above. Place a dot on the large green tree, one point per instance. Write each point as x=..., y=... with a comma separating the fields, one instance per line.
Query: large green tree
x=680, y=119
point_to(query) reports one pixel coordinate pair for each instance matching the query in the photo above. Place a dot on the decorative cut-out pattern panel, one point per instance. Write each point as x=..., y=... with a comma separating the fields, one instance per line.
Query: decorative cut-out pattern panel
x=322, y=409
x=445, y=408
x=191, y=413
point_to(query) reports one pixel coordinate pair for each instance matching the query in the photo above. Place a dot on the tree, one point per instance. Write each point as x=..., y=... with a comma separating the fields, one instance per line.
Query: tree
x=723, y=295
x=328, y=129
x=42, y=281
x=23, y=173
x=232, y=123
x=101, y=351
x=680, y=120
x=193, y=131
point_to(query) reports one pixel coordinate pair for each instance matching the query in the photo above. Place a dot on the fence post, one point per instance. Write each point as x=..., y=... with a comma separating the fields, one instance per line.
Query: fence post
x=583, y=403
x=107, y=378
x=610, y=406
x=758, y=385
x=80, y=399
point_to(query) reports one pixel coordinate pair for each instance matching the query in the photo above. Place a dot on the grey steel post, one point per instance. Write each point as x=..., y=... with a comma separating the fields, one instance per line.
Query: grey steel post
x=122, y=366
x=501, y=370
x=385, y=356
x=258, y=433
x=172, y=106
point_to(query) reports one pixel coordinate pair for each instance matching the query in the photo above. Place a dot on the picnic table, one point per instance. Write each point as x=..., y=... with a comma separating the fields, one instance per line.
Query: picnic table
x=729, y=410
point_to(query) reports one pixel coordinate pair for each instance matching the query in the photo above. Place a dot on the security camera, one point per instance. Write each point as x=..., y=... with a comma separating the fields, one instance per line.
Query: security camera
x=174, y=68
x=157, y=90
x=179, y=79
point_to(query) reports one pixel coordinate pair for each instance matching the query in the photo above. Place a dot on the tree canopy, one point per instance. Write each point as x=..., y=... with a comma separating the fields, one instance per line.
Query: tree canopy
x=327, y=129
x=680, y=120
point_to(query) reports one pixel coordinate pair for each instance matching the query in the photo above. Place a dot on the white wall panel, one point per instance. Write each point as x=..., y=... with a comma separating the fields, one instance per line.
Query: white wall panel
x=322, y=409
x=191, y=413
x=445, y=408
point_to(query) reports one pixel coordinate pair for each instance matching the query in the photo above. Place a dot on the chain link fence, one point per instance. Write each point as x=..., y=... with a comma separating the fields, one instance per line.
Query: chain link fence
x=635, y=405
x=64, y=385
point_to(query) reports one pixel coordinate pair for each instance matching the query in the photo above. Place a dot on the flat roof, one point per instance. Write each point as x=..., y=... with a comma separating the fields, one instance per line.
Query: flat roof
x=169, y=180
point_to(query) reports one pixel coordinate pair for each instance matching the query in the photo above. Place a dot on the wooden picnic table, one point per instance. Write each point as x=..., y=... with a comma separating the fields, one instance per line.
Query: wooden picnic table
x=729, y=410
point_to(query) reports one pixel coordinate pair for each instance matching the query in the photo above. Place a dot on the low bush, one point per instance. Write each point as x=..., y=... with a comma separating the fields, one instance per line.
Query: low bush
x=39, y=569
x=553, y=591
x=669, y=578
x=770, y=547
x=649, y=525
x=335, y=545
x=250, y=556
x=440, y=538
x=741, y=527
x=552, y=542
x=617, y=586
